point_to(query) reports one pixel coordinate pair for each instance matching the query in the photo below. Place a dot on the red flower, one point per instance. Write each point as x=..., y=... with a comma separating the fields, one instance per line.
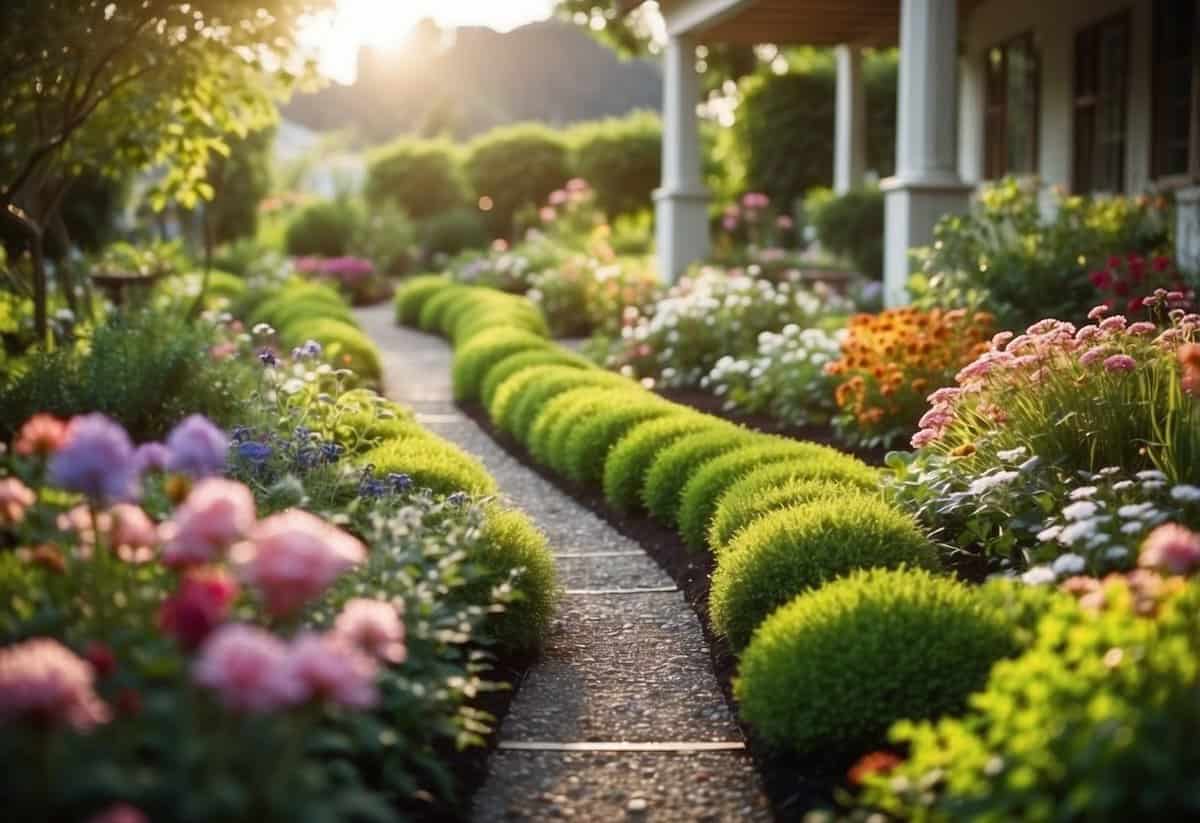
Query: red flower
x=101, y=657
x=199, y=606
x=873, y=763
x=1100, y=279
x=1160, y=263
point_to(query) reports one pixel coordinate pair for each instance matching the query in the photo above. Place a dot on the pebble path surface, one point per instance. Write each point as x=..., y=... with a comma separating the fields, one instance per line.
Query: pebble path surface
x=621, y=717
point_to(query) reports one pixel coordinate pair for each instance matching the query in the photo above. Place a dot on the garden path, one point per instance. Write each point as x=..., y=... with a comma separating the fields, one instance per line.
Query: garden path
x=622, y=716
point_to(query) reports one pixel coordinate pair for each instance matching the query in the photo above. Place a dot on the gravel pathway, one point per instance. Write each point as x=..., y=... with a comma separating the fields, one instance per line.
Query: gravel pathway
x=625, y=661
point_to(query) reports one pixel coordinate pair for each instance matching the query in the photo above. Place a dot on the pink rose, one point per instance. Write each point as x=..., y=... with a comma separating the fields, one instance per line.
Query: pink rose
x=215, y=515
x=1171, y=548
x=43, y=681
x=15, y=498
x=328, y=668
x=374, y=627
x=248, y=668
x=294, y=556
x=120, y=813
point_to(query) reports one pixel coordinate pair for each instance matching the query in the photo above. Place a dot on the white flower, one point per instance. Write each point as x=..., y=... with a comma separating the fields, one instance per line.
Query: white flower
x=1122, y=485
x=1069, y=563
x=1076, y=531
x=1185, y=493
x=1008, y=455
x=1116, y=553
x=1083, y=492
x=1132, y=527
x=1136, y=510
x=1048, y=534
x=1153, y=485
x=1150, y=474
x=1039, y=575
x=1108, y=471
x=991, y=481
x=1080, y=510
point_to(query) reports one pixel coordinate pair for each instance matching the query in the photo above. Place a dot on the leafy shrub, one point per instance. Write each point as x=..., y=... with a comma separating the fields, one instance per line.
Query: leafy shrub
x=489, y=309
x=473, y=359
x=501, y=371
x=514, y=548
x=551, y=380
x=790, y=551
x=516, y=166
x=836, y=666
x=556, y=419
x=432, y=464
x=586, y=446
x=621, y=158
x=743, y=503
x=345, y=345
x=434, y=309
x=422, y=177
x=388, y=238
x=304, y=308
x=662, y=489
x=411, y=296
x=703, y=490
x=628, y=461
x=225, y=286
x=851, y=226
x=453, y=232
x=1096, y=721
x=327, y=229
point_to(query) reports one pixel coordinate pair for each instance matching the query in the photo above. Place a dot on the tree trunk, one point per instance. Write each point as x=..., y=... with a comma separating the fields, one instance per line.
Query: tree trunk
x=33, y=231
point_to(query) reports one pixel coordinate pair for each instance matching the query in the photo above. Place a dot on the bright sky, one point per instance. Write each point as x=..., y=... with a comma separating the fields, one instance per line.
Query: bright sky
x=337, y=36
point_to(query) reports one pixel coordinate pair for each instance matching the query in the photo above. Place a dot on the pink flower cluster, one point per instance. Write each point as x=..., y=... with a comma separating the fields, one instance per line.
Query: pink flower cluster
x=44, y=682
x=15, y=498
x=348, y=270
x=1171, y=548
x=1050, y=345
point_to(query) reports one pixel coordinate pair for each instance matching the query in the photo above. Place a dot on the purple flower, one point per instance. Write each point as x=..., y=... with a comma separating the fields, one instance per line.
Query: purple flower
x=268, y=358
x=254, y=452
x=458, y=499
x=96, y=459
x=400, y=482
x=197, y=447
x=152, y=457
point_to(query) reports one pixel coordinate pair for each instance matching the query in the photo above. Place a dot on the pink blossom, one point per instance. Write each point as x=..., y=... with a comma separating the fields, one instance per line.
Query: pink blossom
x=944, y=395
x=201, y=603
x=1097, y=312
x=131, y=533
x=215, y=515
x=1171, y=548
x=577, y=185
x=547, y=214
x=374, y=627
x=249, y=669
x=41, y=434
x=1000, y=339
x=1086, y=333
x=729, y=222
x=1042, y=326
x=783, y=222
x=328, y=668
x=923, y=438
x=295, y=556
x=1016, y=344
x=557, y=197
x=1142, y=327
x=1119, y=362
x=223, y=350
x=15, y=498
x=755, y=200
x=120, y=813
x=1092, y=355
x=1113, y=324
x=44, y=681
x=936, y=417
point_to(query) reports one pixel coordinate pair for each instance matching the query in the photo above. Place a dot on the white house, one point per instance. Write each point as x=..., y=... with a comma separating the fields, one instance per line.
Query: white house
x=1097, y=96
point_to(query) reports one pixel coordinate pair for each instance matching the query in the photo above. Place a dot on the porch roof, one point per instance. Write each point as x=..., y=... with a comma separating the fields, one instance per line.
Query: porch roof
x=874, y=23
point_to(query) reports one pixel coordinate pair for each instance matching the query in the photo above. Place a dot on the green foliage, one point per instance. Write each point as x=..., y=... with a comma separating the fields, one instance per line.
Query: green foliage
x=790, y=551
x=588, y=443
x=549, y=382
x=850, y=225
x=628, y=461
x=662, y=489
x=745, y=502
x=345, y=345
x=501, y=371
x=422, y=177
x=326, y=229
x=433, y=310
x=475, y=358
x=147, y=371
x=835, y=667
x=411, y=296
x=557, y=417
x=621, y=158
x=433, y=464
x=388, y=238
x=453, y=232
x=240, y=181
x=516, y=166
x=703, y=490
x=515, y=549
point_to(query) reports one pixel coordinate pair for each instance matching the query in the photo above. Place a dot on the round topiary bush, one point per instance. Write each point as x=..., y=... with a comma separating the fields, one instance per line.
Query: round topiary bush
x=514, y=549
x=662, y=490
x=628, y=461
x=516, y=166
x=434, y=309
x=422, y=177
x=491, y=309
x=561, y=412
x=506, y=368
x=552, y=382
x=792, y=550
x=586, y=445
x=742, y=504
x=325, y=229
x=835, y=667
x=432, y=464
x=411, y=296
x=473, y=359
x=704, y=489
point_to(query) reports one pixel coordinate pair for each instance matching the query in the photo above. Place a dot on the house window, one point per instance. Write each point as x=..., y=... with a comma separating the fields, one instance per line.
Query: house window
x=1101, y=84
x=1174, y=81
x=1011, y=108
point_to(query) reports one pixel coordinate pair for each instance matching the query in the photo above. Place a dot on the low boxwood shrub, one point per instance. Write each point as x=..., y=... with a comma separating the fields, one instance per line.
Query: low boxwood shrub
x=703, y=490
x=501, y=371
x=792, y=550
x=835, y=667
x=361, y=430
x=586, y=446
x=346, y=346
x=742, y=504
x=553, y=380
x=558, y=417
x=432, y=464
x=516, y=552
x=473, y=359
x=411, y=296
x=490, y=309
x=675, y=465
x=628, y=461
x=433, y=310
x=223, y=285
x=304, y=309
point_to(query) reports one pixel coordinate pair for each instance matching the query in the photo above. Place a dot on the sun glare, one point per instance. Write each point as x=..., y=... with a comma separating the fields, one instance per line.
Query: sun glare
x=336, y=35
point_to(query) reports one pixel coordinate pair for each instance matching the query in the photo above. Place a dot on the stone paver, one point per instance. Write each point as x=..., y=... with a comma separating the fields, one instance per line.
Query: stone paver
x=629, y=667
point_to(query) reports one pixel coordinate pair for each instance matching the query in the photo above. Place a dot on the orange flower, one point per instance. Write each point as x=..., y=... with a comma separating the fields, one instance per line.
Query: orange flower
x=42, y=434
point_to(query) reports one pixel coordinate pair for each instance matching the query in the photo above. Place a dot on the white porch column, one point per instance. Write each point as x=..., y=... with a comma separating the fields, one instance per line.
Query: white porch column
x=850, y=133
x=681, y=203
x=926, y=184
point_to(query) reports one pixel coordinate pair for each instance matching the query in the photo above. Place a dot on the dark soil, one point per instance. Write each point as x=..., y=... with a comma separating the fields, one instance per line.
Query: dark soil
x=711, y=404
x=794, y=785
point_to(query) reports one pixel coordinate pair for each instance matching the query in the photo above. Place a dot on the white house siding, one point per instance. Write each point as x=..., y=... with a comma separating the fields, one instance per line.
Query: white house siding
x=1054, y=24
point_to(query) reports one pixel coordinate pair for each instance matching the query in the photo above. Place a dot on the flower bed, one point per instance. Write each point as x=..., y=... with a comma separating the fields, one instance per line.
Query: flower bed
x=298, y=617
x=834, y=596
